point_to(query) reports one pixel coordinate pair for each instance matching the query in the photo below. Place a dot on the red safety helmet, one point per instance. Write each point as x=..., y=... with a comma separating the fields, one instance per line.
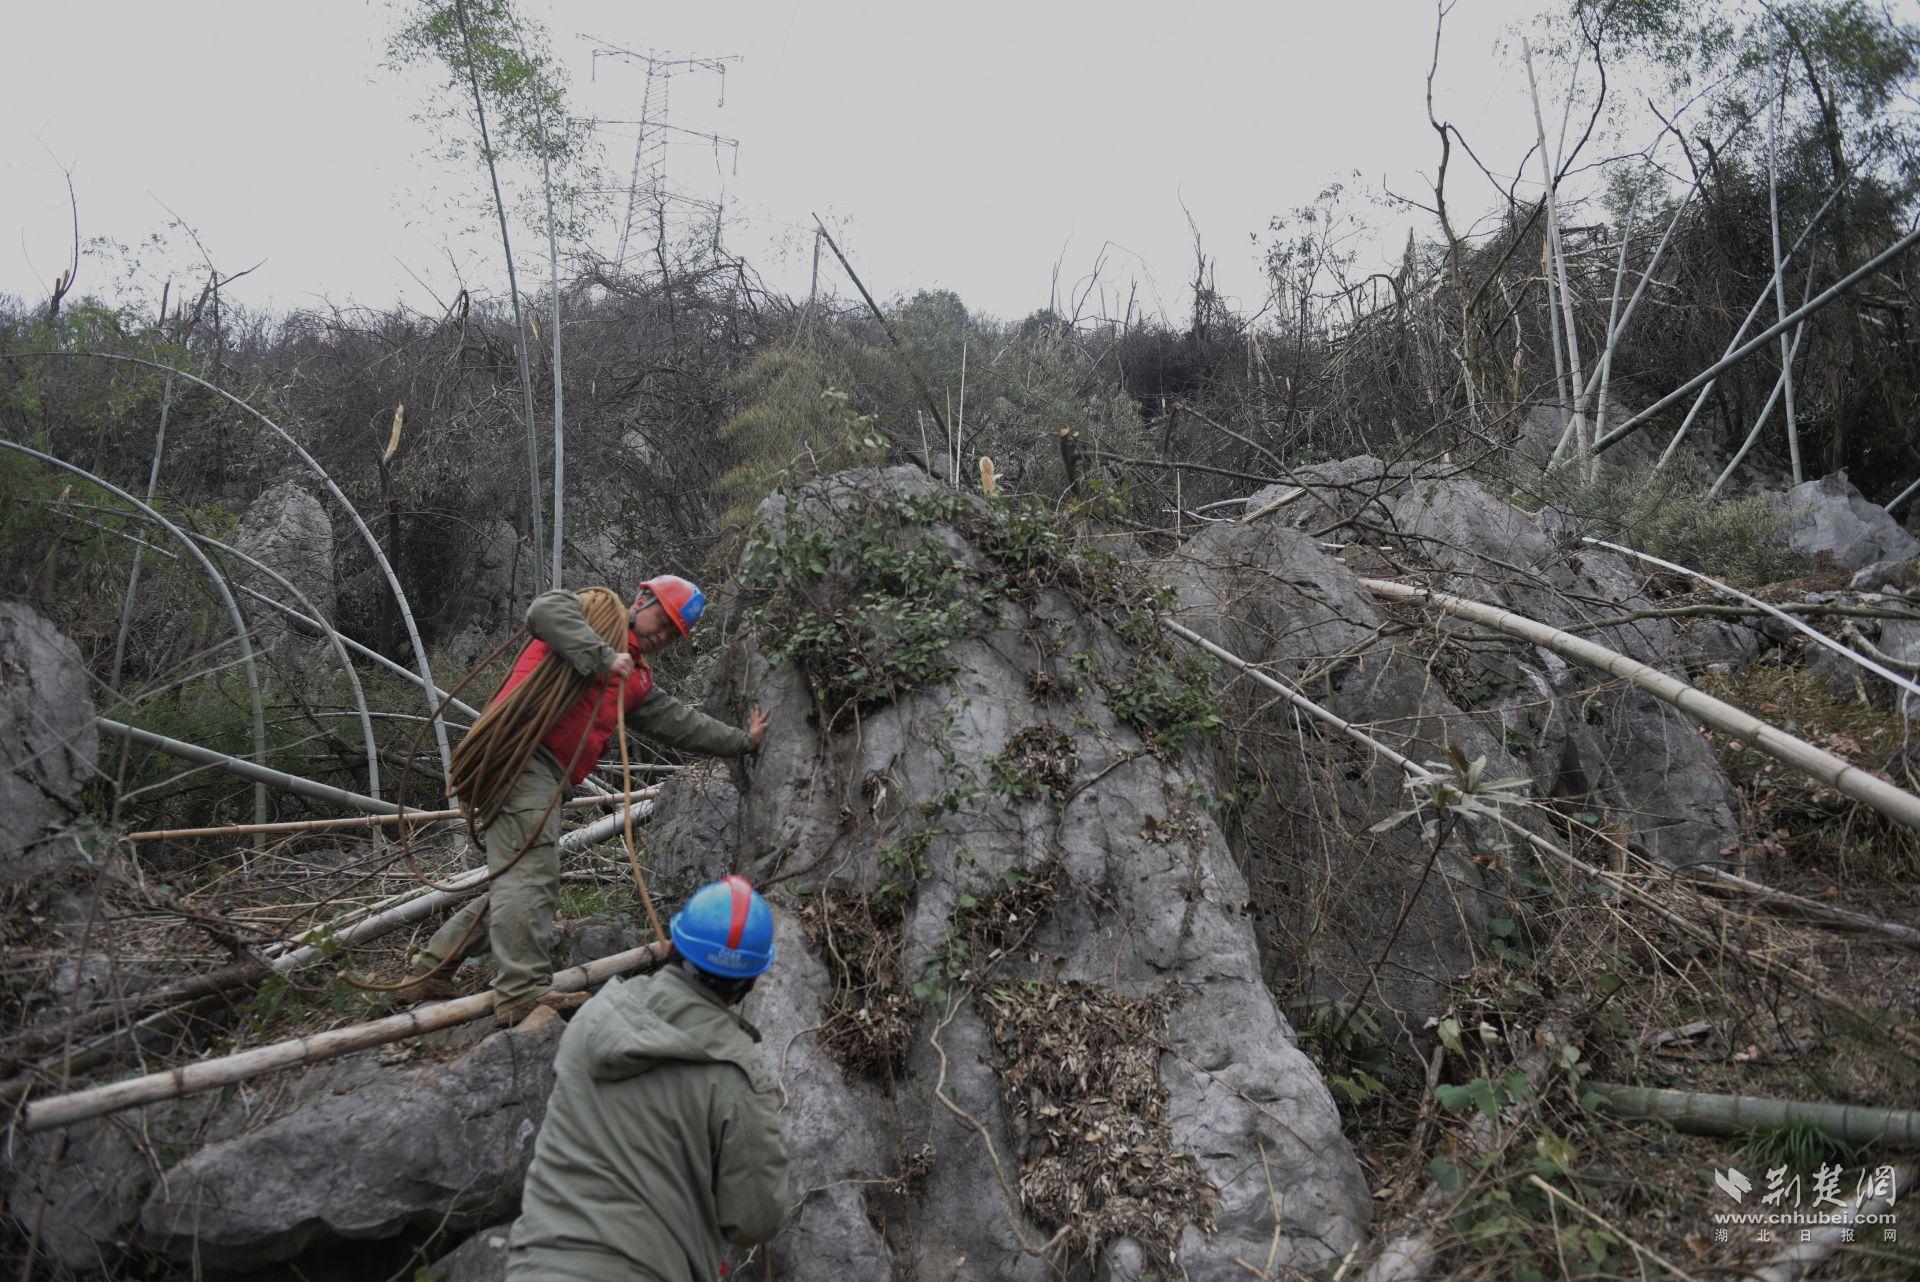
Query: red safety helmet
x=683, y=602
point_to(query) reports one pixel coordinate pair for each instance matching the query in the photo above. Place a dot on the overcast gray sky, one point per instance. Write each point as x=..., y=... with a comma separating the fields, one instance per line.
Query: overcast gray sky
x=966, y=146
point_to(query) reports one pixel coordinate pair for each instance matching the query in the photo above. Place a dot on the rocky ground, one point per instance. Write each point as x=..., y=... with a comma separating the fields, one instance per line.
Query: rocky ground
x=1098, y=960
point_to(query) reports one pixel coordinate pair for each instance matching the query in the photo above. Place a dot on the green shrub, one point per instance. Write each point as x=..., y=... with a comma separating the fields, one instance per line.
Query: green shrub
x=1739, y=540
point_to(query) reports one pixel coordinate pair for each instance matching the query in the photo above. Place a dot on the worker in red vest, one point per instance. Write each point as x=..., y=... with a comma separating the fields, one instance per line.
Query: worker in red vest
x=515, y=917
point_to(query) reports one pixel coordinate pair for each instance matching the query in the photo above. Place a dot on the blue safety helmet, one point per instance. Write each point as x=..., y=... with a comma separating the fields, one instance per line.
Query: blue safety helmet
x=726, y=929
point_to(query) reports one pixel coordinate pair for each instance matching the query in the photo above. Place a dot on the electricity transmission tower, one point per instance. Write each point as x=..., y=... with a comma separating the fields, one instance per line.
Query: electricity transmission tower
x=647, y=185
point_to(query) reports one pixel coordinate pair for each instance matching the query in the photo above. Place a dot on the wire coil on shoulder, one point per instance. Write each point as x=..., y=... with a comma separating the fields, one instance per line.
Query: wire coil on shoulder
x=496, y=749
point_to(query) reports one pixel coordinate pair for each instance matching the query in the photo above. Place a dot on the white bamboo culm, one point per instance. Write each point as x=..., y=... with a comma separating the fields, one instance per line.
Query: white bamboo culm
x=265, y=776
x=1818, y=636
x=1849, y=780
x=220, y=585
x=363, y=925
x=1779, y=273
x=1832, y=292
x=1779, y=281
x=1780, y=900
x=1706, y=1114
x=326, y=478
x=1789, y=352
x=1582, y=441
x=369, y=923
x=77, y=1106
x=422, y=817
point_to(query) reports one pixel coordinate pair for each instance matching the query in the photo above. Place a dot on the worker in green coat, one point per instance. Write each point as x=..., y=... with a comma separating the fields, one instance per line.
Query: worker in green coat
x=661, y=1145
x=515, y=917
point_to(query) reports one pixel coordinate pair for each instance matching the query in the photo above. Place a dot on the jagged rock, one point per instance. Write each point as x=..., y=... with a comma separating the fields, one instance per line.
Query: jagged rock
x=48, y=743
x=391, y=1150
x=831, y=1124
x=1901, y=577
x=481, y=1258
x=1583, y=737
x=600, y=558
x=84, y=1205
x=287, y=530
x=495, y=599
x=592, y=938
x=1586, y=738
x=1147, y=901
x=694, y=836
x=1329, y=889
x=1832, y=522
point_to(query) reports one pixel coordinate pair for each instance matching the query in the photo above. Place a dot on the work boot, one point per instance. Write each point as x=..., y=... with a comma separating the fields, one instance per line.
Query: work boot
x=559, y=1003
x=425, y=984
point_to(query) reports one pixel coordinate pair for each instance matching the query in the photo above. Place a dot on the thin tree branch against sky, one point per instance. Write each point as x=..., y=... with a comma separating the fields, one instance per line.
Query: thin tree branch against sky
x=968, y=154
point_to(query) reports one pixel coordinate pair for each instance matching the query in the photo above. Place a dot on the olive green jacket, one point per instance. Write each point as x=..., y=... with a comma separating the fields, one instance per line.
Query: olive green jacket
x=556, y=618
x=661, y=1141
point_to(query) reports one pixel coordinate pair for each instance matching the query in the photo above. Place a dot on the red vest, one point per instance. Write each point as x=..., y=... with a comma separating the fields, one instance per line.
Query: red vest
x=581, y=720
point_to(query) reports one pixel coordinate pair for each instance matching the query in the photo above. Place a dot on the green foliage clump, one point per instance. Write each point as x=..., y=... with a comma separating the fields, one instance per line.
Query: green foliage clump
x=1170, y=702
x=1741, y=541
x=864, y=611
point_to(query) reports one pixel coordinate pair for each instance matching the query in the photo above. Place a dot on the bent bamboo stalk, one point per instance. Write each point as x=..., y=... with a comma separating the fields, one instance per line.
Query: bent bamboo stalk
x=1870, y=790
x=264, y=775
x=1704, y=1114
x=360, y=821
x=220, y=585
x=77, y=1106
x=1622, y=885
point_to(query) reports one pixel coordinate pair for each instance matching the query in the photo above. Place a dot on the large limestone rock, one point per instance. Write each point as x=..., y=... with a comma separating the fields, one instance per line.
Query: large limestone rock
x=48, y=743
x=445, y=1146
x=1330, y=890
x=1108, y=893
x=1833, y=523
x=287, y=530
x=494, y=599
x=1579, y=735
x=1619, y=752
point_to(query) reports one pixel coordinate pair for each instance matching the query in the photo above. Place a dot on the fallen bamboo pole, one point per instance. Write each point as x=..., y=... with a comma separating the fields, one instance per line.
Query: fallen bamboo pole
x=358, y=926
x=1620, y=884
x=1785, y=904
x=1704, y=1114
x=1870, y=790
x=246, y=769
x=363, y=821
x=1765, y=607
x=77, y=1106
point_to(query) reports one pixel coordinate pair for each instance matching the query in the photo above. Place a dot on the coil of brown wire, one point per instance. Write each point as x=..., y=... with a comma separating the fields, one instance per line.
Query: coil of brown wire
x=502, y=740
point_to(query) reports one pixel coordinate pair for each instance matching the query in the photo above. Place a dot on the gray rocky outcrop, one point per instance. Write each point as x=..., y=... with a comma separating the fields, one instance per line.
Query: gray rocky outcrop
x=481, y=1258
x=1831, y=522
x=440, y=1146
x=1136, y=897
x=494, y=599
x=1329, y=888
x=1621, y=753
x=287, y=530
x=1275, y=596
x=48, y=743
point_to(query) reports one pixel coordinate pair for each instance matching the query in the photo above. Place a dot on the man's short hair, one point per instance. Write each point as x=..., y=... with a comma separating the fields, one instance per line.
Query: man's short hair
x=726, y=988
